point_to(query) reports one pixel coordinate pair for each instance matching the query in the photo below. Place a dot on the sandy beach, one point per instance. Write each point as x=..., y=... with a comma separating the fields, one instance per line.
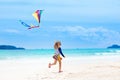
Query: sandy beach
x=82, y=68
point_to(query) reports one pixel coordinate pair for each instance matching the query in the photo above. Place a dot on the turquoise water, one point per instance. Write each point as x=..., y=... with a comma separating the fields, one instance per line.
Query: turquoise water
x=39, y=53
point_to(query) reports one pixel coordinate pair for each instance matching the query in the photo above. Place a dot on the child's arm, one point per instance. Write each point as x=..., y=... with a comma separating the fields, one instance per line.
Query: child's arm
x=61, y=52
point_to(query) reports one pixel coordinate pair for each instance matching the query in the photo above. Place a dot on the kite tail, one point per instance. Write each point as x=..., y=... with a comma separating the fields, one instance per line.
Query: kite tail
x=23, y=23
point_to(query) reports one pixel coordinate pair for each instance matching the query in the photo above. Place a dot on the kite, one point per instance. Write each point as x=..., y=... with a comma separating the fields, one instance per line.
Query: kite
x=37, y=16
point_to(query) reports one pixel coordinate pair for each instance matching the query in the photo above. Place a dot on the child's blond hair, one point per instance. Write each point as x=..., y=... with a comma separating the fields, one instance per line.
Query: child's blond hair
x=56, y=45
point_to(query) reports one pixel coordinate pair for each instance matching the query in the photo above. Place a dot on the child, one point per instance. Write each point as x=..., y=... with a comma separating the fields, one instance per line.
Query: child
x=57, y=54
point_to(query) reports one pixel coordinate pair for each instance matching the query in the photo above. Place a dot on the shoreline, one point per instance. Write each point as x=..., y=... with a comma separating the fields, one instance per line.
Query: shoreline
x=74, y=68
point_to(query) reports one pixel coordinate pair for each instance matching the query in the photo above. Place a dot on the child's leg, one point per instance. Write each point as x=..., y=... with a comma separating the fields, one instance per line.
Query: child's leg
x=60, y=65
x=54, y=63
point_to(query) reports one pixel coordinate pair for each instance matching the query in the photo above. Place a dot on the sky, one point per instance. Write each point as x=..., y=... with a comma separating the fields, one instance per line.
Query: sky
x=76, y=23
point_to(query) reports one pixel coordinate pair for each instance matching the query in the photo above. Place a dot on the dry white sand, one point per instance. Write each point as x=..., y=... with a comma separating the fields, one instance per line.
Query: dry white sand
x=82, y=68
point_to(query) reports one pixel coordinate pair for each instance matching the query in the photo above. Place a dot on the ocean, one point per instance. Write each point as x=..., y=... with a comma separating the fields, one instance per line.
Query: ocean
x=39, y=53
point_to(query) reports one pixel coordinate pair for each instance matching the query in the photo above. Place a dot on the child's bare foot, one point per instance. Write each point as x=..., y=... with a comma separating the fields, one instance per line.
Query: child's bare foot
x=49, y=65
x=60, y=71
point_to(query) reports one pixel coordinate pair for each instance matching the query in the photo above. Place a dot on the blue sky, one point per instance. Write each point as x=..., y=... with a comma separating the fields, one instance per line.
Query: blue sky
x=76, y=23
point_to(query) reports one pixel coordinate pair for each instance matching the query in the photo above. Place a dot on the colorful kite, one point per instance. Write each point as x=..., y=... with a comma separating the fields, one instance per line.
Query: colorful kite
x=37, y=16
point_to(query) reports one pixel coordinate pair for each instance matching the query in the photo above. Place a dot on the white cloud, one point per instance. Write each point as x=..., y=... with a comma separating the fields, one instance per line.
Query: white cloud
x=79, y=30
x=12, y=31
x=94, y=34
